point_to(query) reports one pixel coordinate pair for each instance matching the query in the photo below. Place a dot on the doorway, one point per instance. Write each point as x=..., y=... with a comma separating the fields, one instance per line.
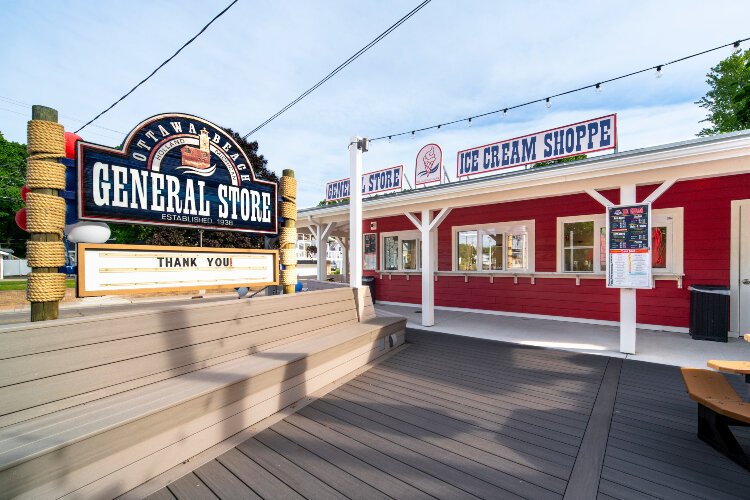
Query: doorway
x=740, y=268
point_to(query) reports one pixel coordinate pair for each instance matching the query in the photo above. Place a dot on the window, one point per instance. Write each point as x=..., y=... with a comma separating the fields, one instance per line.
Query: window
x=578, y=244
x=494, y=247
x=467, y=250
x=579, y=252
x=402, y=251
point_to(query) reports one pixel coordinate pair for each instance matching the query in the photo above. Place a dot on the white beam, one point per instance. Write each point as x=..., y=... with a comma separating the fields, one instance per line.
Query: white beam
x=414, y=220
x=659, y=191
x=440, y=217
x=355, y=212
x=599, y=197
x=322, y=241
x=344, y=242
x=627, y=295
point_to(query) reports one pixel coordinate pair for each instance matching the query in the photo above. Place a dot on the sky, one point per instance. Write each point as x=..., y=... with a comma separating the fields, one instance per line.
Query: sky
x=451, y=60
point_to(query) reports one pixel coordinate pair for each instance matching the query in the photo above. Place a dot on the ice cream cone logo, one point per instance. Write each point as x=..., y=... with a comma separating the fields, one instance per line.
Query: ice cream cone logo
x=429, y=159
x=429, y=162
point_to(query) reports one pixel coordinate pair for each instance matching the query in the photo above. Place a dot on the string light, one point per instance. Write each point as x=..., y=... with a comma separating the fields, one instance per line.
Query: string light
x=548, y=100
x=736, y=49
x=390, y=137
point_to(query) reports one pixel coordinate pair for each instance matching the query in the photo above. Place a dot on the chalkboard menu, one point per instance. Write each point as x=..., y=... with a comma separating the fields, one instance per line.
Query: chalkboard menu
x=629, y=246
x=370, y=251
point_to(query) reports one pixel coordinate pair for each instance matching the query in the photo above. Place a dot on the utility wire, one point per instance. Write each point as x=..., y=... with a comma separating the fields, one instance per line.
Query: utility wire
x=343, y=65
x=597, y=85
x=22, y=104
x=217, y=16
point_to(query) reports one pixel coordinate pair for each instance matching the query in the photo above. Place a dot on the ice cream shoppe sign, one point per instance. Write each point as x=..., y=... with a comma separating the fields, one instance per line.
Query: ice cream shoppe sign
x=176, y=170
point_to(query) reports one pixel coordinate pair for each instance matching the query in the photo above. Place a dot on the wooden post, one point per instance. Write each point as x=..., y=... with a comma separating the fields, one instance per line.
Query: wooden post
x=46, y=146
x=288, y=233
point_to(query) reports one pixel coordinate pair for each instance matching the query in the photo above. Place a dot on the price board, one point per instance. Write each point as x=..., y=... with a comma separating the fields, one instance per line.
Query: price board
x=629, y=246
x=370, y=249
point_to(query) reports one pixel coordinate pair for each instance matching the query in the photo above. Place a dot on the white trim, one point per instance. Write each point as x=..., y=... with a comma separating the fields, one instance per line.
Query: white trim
x=734, y=267
x=659, y=191
x=507, y=227
x=569, y=319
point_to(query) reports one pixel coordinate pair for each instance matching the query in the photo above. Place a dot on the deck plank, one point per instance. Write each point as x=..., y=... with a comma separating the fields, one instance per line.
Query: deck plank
x=455, y=417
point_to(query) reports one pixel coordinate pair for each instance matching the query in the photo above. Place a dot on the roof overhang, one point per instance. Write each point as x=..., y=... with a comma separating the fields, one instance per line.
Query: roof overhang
x=727, y=154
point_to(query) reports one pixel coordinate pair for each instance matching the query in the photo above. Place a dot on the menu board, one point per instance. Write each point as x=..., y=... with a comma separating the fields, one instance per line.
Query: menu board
x=629, y=246
x=370, y=251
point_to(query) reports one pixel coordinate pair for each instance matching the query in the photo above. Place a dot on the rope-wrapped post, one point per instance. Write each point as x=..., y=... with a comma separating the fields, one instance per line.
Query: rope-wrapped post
x=288, y=232
x=45, y=210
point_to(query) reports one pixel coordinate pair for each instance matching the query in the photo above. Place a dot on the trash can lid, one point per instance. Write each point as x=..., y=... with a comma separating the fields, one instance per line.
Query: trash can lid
x=715, y=289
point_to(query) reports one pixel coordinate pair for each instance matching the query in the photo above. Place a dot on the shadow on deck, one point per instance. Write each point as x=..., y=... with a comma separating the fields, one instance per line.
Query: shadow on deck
x=456, y=417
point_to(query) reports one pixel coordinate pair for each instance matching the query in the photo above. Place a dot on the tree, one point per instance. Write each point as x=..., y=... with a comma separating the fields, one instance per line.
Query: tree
x=12, y=178
x=177, y=236
x=728, y=100
x=559, y=160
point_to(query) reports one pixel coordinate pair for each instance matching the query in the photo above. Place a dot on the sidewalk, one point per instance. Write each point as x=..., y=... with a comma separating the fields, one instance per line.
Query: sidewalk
x=653, y=346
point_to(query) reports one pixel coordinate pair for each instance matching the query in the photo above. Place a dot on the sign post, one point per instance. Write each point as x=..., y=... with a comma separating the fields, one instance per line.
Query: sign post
x=355, y=212
x=628, y=258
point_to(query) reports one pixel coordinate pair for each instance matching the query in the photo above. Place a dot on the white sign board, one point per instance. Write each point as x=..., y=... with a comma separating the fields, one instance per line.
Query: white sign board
x=629, y=246
x=428, y=167
x=129, y=269
x=597, y=134
x=380, y=181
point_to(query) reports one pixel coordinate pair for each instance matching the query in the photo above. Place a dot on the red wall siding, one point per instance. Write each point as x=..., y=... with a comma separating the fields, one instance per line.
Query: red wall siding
x=706, y=205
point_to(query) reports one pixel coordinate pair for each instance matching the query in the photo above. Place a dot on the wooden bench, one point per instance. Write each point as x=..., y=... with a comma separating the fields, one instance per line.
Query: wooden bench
x=719, y=407
x=94, y=406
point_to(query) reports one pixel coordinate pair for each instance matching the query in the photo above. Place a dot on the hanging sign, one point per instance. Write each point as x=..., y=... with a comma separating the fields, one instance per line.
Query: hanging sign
x=380, y=181
x=175, y=170
x=629, y=246
x=597, y=134
x=128, y=269
x=428, y=167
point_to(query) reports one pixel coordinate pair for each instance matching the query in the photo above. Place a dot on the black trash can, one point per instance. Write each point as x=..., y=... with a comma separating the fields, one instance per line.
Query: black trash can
x=709, y=312
x=369, y=281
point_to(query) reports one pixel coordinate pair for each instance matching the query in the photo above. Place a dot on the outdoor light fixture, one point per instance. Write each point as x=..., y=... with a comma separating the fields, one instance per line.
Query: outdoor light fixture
x=548, y=103
x=736, y=49
x=469, y=124
x=363, y=144
x=658, y=71
x=598, y=88
x=390, y=139
x=505, y=112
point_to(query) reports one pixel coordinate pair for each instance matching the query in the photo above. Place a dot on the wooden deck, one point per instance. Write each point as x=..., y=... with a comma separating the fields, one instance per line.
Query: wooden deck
x=453, y=417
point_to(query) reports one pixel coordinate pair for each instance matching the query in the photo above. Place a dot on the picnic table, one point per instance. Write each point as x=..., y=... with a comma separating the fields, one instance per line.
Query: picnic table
x=736, y=367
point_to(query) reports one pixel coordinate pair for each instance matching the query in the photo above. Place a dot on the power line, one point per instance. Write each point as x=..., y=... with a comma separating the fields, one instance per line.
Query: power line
x=547, y=100
x=217, y=16
x=343, y=65
x=22, y=104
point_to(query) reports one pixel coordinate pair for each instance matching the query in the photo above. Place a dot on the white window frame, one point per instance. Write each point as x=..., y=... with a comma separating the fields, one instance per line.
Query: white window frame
x=672, y=218
x=402, y=235
x=509, y=227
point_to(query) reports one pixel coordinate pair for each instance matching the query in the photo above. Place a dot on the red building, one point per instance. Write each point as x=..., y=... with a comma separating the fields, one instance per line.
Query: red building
x=532, y=242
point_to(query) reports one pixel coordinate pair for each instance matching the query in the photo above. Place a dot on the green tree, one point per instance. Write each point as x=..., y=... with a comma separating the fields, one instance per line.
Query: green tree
x=12, y=178
x=177, y=236
x=728, y=100
x=559, y=160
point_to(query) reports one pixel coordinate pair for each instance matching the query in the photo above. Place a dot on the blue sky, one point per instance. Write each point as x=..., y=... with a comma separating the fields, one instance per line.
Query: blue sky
x=452, y=59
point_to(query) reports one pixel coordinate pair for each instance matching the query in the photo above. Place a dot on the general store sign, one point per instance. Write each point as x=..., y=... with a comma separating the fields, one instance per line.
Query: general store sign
x=629, y=246
x=126, y=269
x=380, y=181
x=178, y=170
x=597, y=134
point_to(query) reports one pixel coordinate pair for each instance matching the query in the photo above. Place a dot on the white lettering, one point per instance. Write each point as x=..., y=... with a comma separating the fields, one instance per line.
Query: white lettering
x=101, y=186
x=266, y=207
x=223, y=208
x=173, y=194
x=138, y=186
x=205, y=207
x=157, y=184
x=119, y=175
x=190, y=199
x=176, y=126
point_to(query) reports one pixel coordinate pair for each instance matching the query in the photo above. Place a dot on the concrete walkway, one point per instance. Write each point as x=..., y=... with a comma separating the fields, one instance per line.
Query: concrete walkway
x=652, y=346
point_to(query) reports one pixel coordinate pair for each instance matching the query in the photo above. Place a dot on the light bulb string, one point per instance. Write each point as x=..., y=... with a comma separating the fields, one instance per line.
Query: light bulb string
x=598, y=85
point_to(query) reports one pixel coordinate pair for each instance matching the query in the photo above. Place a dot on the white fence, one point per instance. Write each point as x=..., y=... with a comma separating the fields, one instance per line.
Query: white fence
x=15, y=267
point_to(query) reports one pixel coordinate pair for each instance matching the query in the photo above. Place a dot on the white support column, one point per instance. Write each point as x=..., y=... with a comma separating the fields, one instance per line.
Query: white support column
x=321, y=234
x=428, y=270
x=355, y=213
x=344, y=242
x=627, y=295
x=428, y=230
